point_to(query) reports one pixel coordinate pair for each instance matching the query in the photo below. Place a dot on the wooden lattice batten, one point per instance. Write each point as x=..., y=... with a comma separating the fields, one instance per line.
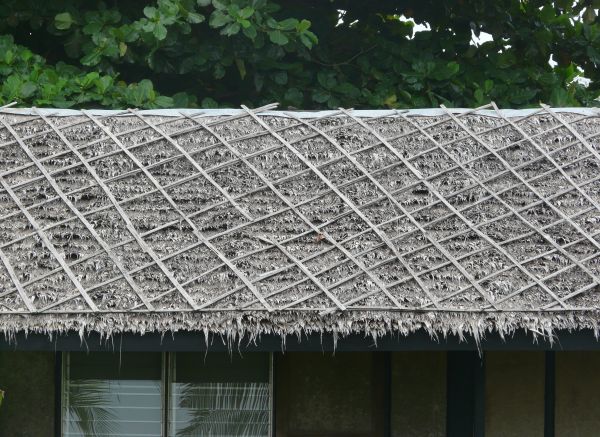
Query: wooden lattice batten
x=288, y=221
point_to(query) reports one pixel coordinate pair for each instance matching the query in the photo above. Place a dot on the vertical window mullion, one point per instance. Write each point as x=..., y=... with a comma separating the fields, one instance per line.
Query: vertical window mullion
x=549, y=393
x=58, y=392
x=166, y=371
x=465, y=404
x=387, y=395
x=479, y=387
x=272, y=394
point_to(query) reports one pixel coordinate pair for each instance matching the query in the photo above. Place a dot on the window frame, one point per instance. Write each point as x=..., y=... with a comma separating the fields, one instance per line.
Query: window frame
x=167, y=358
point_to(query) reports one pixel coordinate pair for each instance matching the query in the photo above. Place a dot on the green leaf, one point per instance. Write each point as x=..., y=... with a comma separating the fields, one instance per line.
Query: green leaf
x=348, y=90
x=593, y=54
x=219, y=19
x=294, y=96
x=203, y=3
x=560, y=97
x=390, y=101
x=146, y=89
x=288, y=24
x=478, y=94
x=231, y=29
x=589, y=16
x=547, y=13
x=277, y=37
x=444, y=72
x=218, y=4
x=160, y=32
x=333, y=103
x=89, y=79
x=182, y=100
x=306, y=41
x=246, y=13
x=92, y=28
x=92, y=58
x=11, y=87
x=320, y=96
x=9, y=56
x=209, y=103
x=280, y=77
x=63, y=21
x=103, y=84
x=303, y=26
x=122, y=49
x=219, y=71
x=250, y=32
x=405, y=95
x=241, y=66
x=163, y=102
x=326, y=79
x=150, y=12
x=195, y=18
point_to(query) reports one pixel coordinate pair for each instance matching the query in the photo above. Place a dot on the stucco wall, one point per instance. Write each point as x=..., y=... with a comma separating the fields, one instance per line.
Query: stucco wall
x=28, y=381
x=578, y=394
x=418, y=394
x=514, y=394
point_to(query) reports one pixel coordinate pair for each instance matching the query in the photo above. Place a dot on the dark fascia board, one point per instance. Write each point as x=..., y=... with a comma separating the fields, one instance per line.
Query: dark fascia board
x=195, y=341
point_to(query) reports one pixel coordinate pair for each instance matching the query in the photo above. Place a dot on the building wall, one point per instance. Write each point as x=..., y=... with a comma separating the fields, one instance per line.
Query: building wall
x=27, y=379
x=418, y=393
x=326, y=394
x=577, y=394
x=514, y=394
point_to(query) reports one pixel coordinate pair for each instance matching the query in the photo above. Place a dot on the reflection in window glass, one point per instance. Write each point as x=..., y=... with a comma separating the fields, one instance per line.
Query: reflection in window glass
x=219, y=395
x=112, y=394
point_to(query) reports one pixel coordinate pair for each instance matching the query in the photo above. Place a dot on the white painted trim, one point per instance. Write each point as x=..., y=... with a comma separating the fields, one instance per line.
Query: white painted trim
x=427, y=112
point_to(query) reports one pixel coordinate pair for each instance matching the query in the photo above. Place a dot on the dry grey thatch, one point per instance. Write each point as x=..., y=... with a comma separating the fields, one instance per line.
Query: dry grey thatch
x=263, y=223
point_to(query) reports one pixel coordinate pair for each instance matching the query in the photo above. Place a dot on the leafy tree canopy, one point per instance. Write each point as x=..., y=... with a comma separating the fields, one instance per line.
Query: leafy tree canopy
x=304, y=54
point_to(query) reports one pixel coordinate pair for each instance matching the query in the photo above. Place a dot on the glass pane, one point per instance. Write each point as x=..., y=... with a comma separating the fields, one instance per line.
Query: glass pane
x=418, y=394
x=323, y=394
x=514, y=394
x=219, y=395
x=577, y=393
x=27, y=379
x=112, y=394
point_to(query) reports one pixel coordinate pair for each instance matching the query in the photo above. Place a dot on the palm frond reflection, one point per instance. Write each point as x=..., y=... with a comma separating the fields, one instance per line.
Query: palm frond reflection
x=221, y=410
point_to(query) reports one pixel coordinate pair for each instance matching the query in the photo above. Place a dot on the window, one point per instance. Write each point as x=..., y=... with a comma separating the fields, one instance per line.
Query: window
x=219, y=395
x=112, y=394
x=177, y=395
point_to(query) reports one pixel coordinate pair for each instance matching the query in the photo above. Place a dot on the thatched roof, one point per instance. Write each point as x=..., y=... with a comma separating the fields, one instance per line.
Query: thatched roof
x=254, y=221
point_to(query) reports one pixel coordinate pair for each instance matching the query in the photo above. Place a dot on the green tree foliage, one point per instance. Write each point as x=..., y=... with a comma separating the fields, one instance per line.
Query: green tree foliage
x=318, y=54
